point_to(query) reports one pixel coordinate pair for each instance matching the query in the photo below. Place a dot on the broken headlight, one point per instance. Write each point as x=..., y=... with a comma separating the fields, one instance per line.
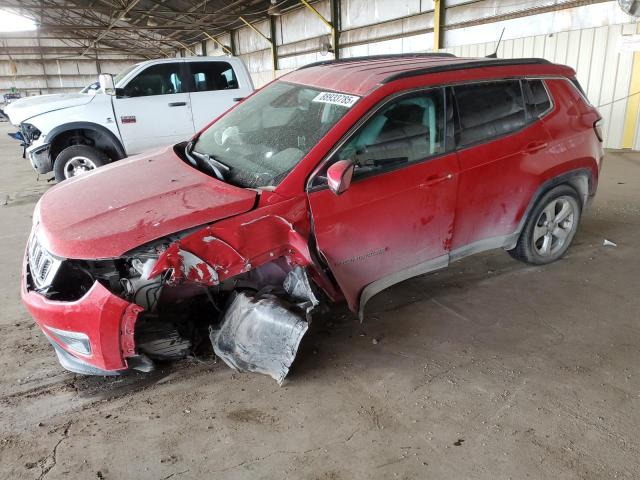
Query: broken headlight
x=30, y=132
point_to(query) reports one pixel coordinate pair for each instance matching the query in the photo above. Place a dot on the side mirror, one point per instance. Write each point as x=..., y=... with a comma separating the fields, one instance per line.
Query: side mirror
x=339, y=176
x=106, y=84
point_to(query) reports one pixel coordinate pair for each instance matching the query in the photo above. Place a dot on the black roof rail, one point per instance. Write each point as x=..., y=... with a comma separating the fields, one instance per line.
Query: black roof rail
x=485, y=62
x=379, y=57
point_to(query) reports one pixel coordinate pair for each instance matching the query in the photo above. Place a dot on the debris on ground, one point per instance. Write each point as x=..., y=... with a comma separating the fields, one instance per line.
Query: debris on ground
x=609, y=243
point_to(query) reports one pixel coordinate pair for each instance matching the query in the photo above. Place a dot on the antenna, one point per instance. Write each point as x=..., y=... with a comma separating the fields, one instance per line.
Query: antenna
x=495, y=54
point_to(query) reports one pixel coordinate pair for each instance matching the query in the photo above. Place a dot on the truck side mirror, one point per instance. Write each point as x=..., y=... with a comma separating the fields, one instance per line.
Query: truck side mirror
x=339, y=176
x=106, y=84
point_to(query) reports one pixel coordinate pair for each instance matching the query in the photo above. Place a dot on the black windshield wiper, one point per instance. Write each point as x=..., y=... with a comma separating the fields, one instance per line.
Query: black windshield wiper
x=219, y=168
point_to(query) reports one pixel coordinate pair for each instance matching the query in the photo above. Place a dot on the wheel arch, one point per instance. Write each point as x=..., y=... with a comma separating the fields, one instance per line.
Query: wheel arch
x=102, y=138
x=581, y=180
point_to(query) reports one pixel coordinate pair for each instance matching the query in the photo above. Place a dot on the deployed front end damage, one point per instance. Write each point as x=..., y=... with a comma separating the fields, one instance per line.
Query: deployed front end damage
x=172, y=304
x=256, y=320
x=261, y=331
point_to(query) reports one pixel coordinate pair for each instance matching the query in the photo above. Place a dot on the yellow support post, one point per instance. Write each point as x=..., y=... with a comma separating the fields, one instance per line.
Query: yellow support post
x=633, y=103
x=187, y=48
x=438, y=9
x=274, y=59
x=317, y=13
x=332, y=29
x=216, y=41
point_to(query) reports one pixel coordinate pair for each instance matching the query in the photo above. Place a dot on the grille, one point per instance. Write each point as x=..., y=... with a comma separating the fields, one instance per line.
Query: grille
x=42, y=265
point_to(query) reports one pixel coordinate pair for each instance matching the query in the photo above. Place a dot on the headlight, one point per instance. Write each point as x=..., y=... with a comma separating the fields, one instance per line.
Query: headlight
x=29, y=132
x=76, y=341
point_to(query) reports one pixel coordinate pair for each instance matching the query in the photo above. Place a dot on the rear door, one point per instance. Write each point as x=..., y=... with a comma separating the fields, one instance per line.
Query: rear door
x=154, y=108
x=395, y=220
x=502, y=147
x=215, y=87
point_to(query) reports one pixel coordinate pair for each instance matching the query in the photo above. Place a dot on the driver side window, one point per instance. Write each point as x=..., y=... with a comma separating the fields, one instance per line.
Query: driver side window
x=163, y=79
x=409, y=129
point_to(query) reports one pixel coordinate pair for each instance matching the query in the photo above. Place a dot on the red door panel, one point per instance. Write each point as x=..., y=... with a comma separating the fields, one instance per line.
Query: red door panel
x=497, y=181
x=499, y=170
x=386, y=223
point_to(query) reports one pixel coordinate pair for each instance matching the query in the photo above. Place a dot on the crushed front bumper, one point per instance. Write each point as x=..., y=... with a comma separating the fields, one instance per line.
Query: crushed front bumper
x=102, y=320
x=39, y=158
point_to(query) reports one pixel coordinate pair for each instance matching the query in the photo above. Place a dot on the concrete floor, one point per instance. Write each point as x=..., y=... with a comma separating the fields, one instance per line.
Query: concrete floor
x=489, y=370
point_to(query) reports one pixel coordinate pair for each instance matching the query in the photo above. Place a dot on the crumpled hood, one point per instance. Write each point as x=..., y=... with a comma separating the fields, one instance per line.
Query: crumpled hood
x=116, y=208
x=28, y=107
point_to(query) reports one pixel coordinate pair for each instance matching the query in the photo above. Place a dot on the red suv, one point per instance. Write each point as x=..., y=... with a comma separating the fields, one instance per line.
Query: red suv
x=333, y=182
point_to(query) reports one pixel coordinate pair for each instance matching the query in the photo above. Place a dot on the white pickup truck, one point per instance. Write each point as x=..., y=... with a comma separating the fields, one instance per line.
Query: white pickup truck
x=151, y=104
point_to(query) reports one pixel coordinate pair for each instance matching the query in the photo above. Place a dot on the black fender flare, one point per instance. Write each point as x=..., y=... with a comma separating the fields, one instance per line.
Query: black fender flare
x=580, y=179
x=114, y=141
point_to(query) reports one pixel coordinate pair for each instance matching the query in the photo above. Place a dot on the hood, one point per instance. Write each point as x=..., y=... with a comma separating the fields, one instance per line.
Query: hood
x=28, y=107
x=106, y=213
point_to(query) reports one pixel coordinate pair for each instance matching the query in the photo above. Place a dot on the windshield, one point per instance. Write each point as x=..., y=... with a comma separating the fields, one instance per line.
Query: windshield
x=263, y=138
x=123, y=74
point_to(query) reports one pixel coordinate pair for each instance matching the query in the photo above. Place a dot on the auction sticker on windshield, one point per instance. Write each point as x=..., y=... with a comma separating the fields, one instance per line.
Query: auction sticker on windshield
x=336, y=99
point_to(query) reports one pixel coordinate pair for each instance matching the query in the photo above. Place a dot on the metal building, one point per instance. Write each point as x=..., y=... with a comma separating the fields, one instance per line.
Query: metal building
x=77, y=40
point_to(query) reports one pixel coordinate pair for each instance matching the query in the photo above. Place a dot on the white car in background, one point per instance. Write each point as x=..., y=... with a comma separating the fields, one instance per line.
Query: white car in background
x=153, y=103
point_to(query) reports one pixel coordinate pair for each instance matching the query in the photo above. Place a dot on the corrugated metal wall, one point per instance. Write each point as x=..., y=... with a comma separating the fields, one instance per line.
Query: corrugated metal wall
x=584, y=36
x=37, y=77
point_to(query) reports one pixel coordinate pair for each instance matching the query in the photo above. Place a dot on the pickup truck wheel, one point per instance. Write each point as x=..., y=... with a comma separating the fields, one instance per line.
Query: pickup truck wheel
x=76, y=160
x=550, y=228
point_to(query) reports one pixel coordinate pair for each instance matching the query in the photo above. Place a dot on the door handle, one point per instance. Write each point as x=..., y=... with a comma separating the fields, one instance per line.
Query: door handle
x=238, y=99
x=435, y=180
x=534, y=147
x=178, y=104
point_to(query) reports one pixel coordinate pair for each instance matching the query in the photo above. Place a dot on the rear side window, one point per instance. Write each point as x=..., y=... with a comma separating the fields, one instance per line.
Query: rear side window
x=208, y=76
x=163, y=79
x=576, y=84
x=487, y=110
x=538, y=101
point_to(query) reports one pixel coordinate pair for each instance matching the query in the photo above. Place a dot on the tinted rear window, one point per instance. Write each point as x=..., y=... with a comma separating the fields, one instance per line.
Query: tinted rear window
x=576, y=83
x=538, y=101
x=487, y=110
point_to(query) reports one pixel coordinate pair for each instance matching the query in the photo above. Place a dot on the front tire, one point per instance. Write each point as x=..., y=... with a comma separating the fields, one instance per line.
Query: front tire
x=76, y=160
x=550, y=228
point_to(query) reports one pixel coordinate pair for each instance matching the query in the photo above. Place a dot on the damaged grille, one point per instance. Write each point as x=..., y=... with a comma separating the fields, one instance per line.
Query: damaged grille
x=42, y=265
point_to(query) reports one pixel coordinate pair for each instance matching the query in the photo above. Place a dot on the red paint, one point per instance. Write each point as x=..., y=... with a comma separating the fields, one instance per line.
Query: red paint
x=374, y=229
x=133, y=202
x=105, y=318
x=377, y=227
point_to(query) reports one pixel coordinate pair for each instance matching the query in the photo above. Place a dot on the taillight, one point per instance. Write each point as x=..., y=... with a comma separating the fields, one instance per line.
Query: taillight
x=597, y=127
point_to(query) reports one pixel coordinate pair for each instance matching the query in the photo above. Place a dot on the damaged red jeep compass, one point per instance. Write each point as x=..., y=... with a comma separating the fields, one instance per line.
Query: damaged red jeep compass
x=334, y=182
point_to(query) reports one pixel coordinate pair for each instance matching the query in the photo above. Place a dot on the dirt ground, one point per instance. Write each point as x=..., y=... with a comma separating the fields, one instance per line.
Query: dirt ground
x=489, y=370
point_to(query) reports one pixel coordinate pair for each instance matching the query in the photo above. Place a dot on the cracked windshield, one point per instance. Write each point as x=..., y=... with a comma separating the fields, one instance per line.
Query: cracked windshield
x=262, y=139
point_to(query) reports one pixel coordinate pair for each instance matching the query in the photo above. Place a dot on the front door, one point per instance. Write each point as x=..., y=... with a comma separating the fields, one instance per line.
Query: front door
x=396, y=219
x=154, y=109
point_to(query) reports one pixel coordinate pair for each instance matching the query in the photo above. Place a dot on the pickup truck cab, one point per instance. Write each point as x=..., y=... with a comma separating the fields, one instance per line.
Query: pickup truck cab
x=331, y=183
x=158, y=102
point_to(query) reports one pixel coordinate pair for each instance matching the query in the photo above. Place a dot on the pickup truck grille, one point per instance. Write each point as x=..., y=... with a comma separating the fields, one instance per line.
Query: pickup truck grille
x=42, y=265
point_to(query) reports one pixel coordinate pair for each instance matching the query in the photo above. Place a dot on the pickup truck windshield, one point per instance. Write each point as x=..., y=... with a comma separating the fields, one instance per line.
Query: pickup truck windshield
x=118, y=78
x=263, y=138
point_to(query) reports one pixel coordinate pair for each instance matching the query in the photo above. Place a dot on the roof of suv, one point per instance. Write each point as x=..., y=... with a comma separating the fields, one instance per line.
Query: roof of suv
x=360, y=75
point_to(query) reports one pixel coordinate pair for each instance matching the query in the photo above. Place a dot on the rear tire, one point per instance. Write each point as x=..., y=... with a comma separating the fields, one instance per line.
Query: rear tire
x=78, y=159
x=550, y=227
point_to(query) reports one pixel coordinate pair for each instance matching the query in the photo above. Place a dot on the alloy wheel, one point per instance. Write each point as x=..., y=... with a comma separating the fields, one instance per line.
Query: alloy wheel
x=554, y=226
x=77, y=166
